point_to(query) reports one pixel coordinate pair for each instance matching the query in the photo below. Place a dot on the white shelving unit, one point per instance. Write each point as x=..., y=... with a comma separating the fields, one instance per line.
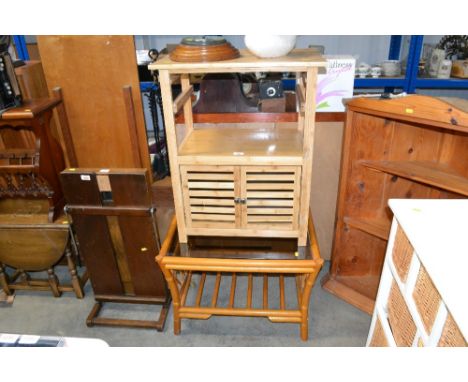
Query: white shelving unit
x=422, y=293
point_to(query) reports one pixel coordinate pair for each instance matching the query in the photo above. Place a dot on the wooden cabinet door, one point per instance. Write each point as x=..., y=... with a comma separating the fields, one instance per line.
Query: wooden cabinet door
x=246, y=197
x=270, y=197
x=209, y=194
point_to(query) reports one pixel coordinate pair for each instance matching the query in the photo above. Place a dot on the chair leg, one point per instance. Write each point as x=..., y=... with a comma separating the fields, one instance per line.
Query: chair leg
x=53, y=282
x=77, y=287
x=4, y=281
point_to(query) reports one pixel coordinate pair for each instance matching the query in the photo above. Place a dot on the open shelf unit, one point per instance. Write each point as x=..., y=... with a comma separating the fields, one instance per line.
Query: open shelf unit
x=414, y=147
x=241, y=179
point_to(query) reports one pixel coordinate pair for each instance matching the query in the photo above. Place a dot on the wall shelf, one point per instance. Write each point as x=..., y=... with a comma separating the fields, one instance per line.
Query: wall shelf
x=433, y=174
x=375, y=227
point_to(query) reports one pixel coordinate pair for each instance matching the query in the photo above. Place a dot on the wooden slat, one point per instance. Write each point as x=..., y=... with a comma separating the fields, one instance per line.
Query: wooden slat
x=249, y=291
x=209, y=176
x=209, y=202
x=214, y=299
x=209, y=193
x=213, y=217
x=270, y=194
x=298, y=289
x=270, y=177
x=265, y=291
x=281, y=290
x=269, y=218
x=219, y=210
x=270, y=186
x=272, y=203
x=185, y=289
x=233, y=290
x=270, y=211
x=183, y=97
x=200, y=289
x=222, y=185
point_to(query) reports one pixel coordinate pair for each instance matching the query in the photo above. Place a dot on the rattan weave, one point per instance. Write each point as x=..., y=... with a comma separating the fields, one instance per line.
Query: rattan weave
x=451, y=335
x=378, y=337
x=427, y=299
x=399, y=317
x=402, y=254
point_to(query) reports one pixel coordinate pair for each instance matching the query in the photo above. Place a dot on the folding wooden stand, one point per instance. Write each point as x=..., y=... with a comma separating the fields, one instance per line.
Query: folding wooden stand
x=115, y=223
x=305, y=272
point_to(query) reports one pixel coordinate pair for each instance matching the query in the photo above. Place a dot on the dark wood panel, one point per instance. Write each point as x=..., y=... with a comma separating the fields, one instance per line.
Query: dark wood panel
x=79, y=190
x=141, y=248
x=95, y=245
x=130, y=190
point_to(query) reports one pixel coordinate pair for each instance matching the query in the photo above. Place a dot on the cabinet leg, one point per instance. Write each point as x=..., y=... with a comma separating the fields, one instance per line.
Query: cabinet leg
x=184, y=249
x=4, y=281
x=77, y=287
x=53, y=282
x=301, y=252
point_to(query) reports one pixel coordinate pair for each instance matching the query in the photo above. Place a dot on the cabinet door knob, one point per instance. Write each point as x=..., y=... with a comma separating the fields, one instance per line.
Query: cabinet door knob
x=240, y=200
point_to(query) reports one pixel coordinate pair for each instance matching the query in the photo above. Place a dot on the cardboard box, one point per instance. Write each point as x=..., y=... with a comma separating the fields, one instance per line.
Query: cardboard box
x=337, y=84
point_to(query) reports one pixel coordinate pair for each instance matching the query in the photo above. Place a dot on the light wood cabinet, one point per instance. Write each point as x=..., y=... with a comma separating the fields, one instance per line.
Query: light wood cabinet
x=245, y=179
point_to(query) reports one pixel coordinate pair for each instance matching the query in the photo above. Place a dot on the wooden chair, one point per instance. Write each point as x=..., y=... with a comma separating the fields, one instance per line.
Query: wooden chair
x=304, y=270
x=115, y=223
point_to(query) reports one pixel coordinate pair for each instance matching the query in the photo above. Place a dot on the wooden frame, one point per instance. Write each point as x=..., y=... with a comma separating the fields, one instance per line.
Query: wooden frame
x=240, y=146
x=305, y=272
x=112, y=213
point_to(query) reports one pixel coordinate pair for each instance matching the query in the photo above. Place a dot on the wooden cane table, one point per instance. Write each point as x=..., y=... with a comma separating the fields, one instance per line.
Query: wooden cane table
x=173, y=265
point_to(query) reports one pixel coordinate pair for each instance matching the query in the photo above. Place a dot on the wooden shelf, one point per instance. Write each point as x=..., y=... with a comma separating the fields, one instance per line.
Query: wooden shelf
x=378, y=228
x=429, y=173
x=242, y=145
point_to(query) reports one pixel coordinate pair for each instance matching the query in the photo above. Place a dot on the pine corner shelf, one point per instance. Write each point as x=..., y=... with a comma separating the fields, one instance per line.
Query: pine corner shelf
x=413, y=147
x=241, y=179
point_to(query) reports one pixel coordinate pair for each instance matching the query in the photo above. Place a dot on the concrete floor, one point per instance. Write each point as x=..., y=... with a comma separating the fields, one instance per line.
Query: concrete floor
x=332, y=322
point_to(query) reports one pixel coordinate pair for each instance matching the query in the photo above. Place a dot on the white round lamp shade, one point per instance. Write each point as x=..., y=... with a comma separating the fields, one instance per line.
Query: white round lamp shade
x=269, y=46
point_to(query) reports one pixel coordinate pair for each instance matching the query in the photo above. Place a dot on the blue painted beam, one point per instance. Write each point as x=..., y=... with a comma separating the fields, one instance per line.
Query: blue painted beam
x=146, y=86
x=380, y=82
x=21, y=49
x=395, y=47
x=441, y=83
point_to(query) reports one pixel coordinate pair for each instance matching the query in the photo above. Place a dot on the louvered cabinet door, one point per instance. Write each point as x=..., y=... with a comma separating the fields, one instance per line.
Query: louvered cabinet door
x=209, y=196
x=270, y=197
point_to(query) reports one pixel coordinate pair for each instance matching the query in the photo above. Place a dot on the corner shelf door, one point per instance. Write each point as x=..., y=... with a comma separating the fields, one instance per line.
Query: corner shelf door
x=245, y=197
